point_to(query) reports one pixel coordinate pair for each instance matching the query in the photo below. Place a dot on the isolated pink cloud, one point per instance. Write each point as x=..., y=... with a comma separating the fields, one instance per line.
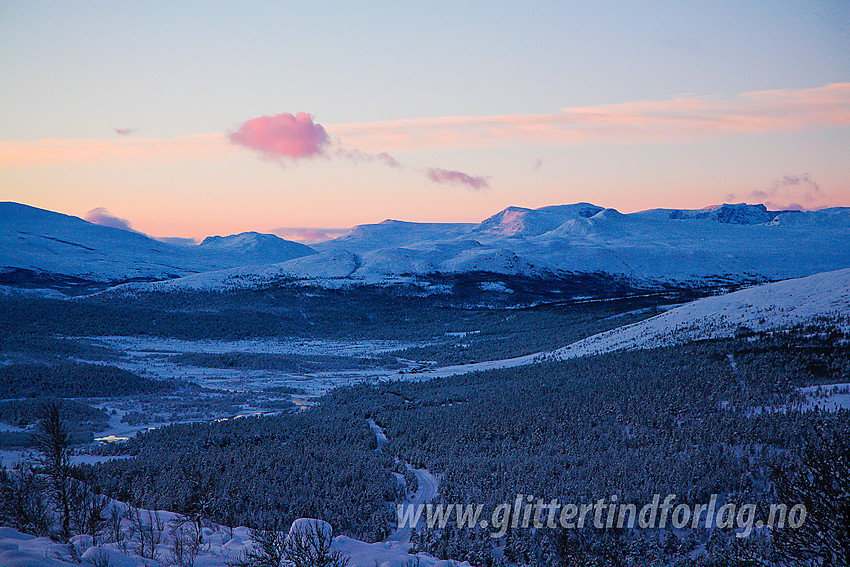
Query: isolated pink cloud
x=292, y=137
x=438, y=175
x=283, y=136
x=125, y=131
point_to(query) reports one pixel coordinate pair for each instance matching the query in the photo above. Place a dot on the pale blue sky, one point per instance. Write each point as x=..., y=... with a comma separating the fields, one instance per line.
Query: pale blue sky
x=75, y=70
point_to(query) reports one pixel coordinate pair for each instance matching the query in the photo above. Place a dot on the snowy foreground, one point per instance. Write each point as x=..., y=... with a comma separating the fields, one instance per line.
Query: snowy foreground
x=220, y=546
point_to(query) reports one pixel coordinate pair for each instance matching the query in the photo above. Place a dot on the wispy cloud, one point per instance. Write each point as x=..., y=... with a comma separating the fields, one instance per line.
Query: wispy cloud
x=792, y=191
x=124, y=131
x=686, y=119
x=358, y=156
x=438, y=175
x=682, y=44
x=309, y=235
x=680, y=120
x=290, y=137
x=103, y=217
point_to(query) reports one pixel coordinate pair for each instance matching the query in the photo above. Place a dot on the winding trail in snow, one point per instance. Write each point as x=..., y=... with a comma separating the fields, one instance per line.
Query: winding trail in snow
x=380, y=436
x=427, y=485
x=425, y=492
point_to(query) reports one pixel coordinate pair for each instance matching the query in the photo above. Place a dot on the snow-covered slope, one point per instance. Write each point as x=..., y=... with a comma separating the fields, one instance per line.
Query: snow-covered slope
x=46, y=242
x=729, y=243
x=334, y=266
x=394, y=233
x=821, y=298
x=521, y=222
x=38, y=246
x=255, y=248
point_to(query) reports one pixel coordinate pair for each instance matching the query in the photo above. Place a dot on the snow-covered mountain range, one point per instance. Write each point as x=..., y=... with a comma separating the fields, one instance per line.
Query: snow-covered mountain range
x=727, y=243
x=43, y=248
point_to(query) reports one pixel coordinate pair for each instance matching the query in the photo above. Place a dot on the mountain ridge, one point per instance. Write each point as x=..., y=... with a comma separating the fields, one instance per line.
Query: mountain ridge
x=727, y=243
x=50, y=245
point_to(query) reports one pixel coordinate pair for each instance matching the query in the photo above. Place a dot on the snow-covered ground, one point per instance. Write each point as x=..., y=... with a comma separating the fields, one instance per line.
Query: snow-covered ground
x=827, y=398
x=426, y=486
x=821, y=298
x=220, y=545
x=426, y=490
x=151, y=357
x=154, y=345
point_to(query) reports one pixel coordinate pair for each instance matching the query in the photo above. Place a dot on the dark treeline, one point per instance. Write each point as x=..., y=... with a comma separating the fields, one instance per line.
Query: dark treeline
x=263, y=471
x=689, y=420
x=677, y=419
x=82, y=420
x=52, y=331
x=280, y=362
x=358, y=313
x=74, y=380
x=24, y=413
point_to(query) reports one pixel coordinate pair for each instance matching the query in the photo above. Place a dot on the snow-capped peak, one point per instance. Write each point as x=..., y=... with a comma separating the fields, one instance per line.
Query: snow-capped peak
x=259, y=248
x=519, y=221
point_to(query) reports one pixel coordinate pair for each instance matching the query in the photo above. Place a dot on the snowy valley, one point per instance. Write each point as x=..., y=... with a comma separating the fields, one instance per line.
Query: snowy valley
x=569, y=351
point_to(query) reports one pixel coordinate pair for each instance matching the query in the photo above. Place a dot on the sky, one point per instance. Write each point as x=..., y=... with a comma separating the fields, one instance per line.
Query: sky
x=188, y=119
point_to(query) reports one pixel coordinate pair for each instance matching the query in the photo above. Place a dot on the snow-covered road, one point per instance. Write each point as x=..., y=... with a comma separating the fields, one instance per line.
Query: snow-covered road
x=426, y=491
x=427, y=485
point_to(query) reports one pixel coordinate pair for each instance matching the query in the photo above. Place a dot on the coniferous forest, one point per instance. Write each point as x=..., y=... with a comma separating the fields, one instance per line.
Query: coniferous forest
x=735, y=417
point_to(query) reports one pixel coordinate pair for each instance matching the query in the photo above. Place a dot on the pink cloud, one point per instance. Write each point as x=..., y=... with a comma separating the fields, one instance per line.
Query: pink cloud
x=388, y=160
x=438, y=175
x=290, y=137
x=125, y=131
x=103, y=217
x=282, y=136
